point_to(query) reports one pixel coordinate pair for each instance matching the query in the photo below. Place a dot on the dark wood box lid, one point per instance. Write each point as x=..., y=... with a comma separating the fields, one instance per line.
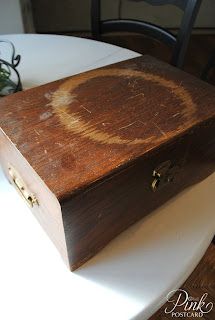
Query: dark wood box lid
x=78, y=130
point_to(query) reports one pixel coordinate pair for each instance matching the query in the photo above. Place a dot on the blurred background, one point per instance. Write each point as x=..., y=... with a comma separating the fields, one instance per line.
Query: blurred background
x=73, y=18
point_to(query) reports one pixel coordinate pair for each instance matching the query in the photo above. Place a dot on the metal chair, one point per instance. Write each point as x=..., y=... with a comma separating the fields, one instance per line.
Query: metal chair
x=179, y=43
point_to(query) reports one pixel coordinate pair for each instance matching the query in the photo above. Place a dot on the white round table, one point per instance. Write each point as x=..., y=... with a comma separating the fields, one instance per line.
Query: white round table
x=131, y=277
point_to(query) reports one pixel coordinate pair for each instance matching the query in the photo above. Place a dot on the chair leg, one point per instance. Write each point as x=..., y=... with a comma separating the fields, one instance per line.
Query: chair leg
x=95, y=18
x=210, y=64
x=183, y=37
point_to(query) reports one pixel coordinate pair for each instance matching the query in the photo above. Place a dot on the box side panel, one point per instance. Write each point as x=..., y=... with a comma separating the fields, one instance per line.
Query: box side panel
x=45, y=207
x=95, y=217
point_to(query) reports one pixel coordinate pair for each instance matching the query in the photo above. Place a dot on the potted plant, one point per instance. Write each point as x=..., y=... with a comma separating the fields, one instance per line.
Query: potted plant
x=9, y=77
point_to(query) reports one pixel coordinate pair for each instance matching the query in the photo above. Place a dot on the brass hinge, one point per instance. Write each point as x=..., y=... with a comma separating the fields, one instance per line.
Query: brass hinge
x=21, y=187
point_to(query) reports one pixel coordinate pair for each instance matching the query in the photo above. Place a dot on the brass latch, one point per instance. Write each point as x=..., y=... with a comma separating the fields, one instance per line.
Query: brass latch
x=164, y=174
x=21, y=187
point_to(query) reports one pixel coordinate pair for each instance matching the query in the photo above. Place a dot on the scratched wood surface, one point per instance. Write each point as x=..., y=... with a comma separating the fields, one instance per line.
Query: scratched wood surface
x=94, y=141
x=80, y=129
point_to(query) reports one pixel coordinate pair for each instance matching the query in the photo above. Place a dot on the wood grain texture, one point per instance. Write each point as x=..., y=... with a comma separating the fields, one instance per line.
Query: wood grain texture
x=109, y=206
x=112, y=119
x=95, y=139
x=48, y=213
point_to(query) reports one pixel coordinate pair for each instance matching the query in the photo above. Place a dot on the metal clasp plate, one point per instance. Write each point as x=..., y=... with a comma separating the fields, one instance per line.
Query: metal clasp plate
x=21, y=187
x=163, y=174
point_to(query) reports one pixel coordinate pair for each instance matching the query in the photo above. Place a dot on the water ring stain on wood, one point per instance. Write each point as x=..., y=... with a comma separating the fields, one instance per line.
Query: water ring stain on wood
x=64, y=96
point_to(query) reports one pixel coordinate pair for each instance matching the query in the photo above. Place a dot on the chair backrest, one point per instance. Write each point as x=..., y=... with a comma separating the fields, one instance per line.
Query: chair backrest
x=180, y=43
x=178, y=3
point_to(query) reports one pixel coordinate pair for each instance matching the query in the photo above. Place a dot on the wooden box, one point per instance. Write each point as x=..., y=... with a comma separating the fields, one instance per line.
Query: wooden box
x=93, y=153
